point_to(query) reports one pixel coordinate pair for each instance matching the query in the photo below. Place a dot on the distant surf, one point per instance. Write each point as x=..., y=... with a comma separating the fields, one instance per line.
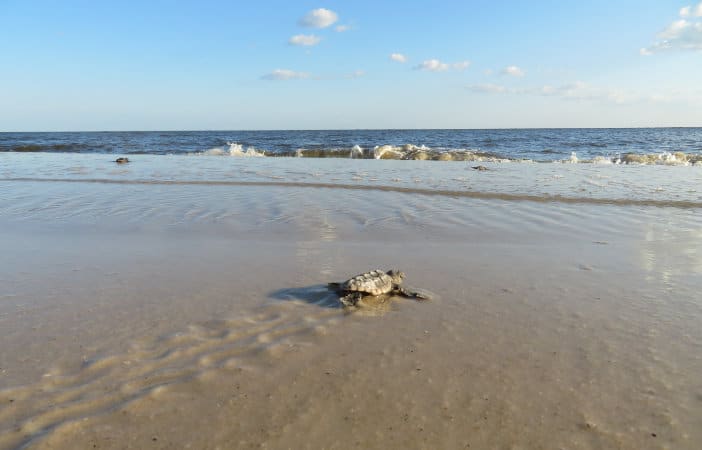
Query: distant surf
x=640, y=146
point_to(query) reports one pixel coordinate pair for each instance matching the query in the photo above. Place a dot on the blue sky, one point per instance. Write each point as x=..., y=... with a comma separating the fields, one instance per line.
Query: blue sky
x=170, y=65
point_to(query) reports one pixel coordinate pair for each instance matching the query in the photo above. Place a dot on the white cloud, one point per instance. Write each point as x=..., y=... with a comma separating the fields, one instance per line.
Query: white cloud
x=432, y=65
x=688, y=11
x=342, y=28
x=513, y=71
x=488, y=72
x=674, y=29
x=318, y=18
x=285, y=74
x=398, y=57
x=304, y=40
x=681, y=34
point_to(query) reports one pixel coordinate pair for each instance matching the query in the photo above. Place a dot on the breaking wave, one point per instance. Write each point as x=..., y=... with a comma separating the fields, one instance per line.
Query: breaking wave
x=234, y=149
x=424, y=153
x=397, y=152
x=663, y=159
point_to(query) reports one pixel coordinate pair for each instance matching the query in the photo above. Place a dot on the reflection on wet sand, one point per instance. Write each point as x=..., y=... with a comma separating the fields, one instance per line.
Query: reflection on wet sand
x=671, y=247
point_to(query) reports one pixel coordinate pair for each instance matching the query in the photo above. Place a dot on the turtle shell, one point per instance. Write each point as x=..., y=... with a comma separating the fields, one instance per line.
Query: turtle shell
x=375, y=282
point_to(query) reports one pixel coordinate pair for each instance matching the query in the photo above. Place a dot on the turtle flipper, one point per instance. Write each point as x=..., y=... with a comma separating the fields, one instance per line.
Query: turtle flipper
x=410, y=294
x=351, y=299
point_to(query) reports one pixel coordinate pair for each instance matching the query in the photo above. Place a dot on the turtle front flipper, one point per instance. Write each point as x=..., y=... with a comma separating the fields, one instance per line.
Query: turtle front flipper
x=351, y=299
x=399, y=290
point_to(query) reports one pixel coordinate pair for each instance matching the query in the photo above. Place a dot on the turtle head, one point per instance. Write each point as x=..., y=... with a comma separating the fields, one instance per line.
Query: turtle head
x=396, y=275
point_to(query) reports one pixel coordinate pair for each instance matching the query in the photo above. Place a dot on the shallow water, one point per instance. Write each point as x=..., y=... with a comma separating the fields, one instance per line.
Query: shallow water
x=652, y=185
x=178, y=301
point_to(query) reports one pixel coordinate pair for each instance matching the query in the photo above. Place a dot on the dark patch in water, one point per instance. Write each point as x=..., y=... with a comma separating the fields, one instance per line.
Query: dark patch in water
x=317, y=294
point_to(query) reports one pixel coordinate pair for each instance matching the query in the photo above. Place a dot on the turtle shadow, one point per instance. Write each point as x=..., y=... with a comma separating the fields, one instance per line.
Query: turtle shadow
x=316, y=294
x=322, y=296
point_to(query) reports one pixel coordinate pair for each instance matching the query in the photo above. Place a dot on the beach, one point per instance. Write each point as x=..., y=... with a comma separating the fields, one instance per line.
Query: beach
x=351, y=225
x=182, y=303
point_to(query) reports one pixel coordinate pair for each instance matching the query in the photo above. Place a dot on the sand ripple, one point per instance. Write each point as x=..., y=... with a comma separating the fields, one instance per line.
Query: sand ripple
x=104, y=384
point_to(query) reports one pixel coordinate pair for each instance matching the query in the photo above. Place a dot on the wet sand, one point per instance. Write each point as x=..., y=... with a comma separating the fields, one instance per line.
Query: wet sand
x=552, y=325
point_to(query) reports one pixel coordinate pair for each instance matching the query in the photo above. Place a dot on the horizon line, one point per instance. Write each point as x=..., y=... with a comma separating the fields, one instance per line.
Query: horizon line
x=210, y=130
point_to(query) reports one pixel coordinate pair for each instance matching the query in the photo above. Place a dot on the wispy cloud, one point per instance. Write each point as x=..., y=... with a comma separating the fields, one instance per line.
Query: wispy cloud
x=682, y=34
x=285, y=74
x=342, y=28
x=513, y=71
x=434, y=65
x=577, y=90
x=318, y=18
x=398, y=57
x=580, y=91
x=306, y=40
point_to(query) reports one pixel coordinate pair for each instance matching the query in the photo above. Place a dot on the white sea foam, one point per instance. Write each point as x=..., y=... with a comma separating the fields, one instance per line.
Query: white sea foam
x=602, y=160
x=234, y=150
x=642, y=159
x=422, y=152
x=382, y=150
x=356, y=152
x=671, y=159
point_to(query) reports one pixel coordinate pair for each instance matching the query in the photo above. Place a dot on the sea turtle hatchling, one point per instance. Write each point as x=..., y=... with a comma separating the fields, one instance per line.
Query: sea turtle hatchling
x=373, y=283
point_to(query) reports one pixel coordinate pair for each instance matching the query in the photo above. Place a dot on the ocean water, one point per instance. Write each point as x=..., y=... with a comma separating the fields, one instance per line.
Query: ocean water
x=655, y=167
x=633, y=145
